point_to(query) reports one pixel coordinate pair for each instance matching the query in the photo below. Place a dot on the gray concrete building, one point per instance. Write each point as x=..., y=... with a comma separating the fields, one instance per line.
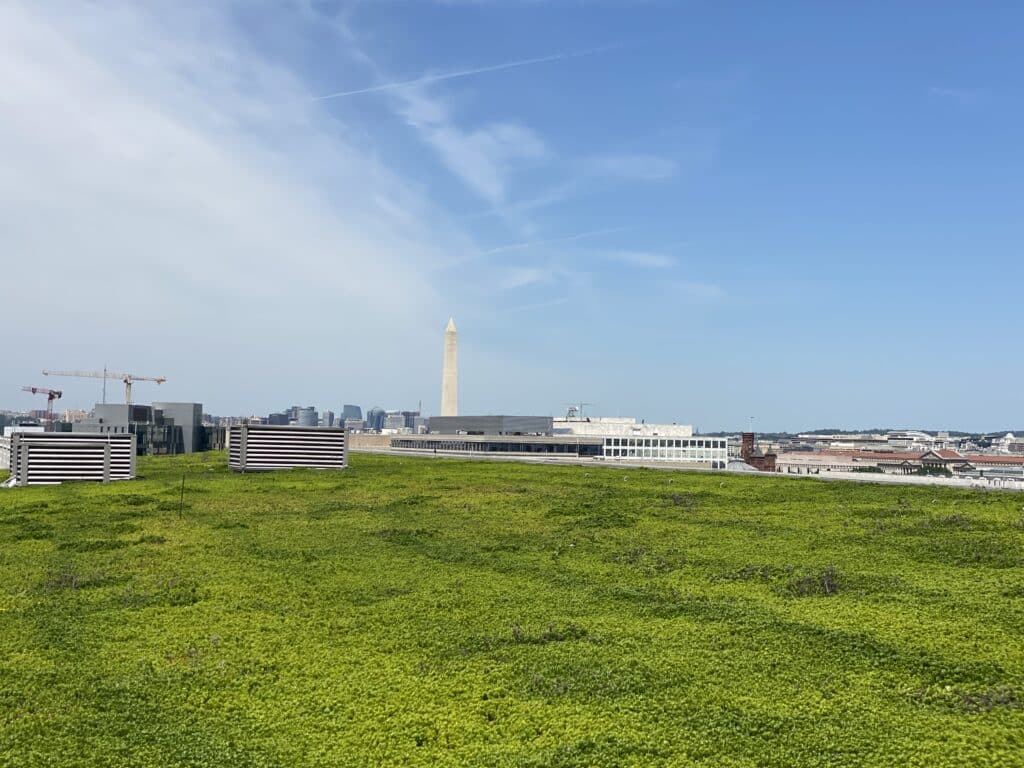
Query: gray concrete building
x=565, y=446
x=306, y=417
x=115, y=418
x=160, y=428
x=189, y=418
x=490, y=425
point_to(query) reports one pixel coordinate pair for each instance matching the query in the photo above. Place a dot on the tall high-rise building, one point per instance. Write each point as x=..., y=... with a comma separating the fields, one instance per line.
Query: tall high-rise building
x=450, y=374
x=375, y=418
x=306, y=417
x=394, y=420
x=351, y=412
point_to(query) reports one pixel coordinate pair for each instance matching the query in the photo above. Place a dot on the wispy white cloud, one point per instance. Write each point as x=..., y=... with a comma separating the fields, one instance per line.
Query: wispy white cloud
x=645, y=259
x=536, y=306
x=633, y=167
x=557, y=194
x=482, y=157
x=551, y=241
x=520, y=277
x=153, y=139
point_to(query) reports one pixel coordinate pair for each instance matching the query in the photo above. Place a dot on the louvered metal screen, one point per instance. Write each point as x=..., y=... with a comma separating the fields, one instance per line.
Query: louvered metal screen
x=257, y=447
x=49, y=458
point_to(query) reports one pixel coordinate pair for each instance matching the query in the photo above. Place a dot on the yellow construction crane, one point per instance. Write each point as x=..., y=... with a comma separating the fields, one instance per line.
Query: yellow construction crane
x=127, y=378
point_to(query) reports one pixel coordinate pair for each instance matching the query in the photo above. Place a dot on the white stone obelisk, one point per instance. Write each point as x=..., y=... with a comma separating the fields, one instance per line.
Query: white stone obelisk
x=450, y=377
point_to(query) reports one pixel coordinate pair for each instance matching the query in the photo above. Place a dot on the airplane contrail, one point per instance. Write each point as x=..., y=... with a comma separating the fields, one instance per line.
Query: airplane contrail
x=463, y=73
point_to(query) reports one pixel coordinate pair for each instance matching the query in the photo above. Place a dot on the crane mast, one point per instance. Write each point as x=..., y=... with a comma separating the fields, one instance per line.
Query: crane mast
x=51, y=395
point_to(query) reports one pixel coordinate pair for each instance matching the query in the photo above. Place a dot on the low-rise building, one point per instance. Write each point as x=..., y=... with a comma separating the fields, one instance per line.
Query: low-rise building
x=160, y=428
x=712, y=451
x=896, y=462
x=615, y=426
x=754, y=456
x=614, y=439
x=1009, y=443
x=490, y=425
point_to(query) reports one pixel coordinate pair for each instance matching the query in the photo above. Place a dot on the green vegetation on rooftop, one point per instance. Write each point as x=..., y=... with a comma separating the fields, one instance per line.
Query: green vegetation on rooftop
x=426, y=612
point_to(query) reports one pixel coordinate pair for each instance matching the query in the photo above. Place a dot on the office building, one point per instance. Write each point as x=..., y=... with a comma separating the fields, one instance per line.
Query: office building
x=188, y=417
x=613, y=439
x=394, y=422
x=490, y=425
x=306, y=417
x=160, y=428
x=375, y=418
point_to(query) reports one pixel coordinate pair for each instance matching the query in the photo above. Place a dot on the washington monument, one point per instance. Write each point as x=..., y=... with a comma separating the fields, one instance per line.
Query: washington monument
x=450, y=377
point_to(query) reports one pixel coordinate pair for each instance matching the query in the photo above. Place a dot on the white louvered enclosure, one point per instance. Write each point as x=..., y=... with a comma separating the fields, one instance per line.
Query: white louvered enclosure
x=260, y=447
x=48, y=458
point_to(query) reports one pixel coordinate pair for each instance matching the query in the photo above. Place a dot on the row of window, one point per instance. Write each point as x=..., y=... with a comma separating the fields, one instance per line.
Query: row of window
x=664, y=442
x=663, y=454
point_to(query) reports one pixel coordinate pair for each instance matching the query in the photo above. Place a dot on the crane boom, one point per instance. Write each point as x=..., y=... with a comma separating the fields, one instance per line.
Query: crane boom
x=51, y=395
x=127, y=378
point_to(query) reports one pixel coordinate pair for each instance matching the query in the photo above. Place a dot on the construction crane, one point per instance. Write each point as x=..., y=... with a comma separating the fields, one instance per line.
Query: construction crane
x=51, y=395
x=127, y=378
x=576, y=411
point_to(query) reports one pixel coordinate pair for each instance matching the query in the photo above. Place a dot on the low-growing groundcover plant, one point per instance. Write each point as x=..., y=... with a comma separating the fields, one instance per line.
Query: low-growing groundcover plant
x=423, y=612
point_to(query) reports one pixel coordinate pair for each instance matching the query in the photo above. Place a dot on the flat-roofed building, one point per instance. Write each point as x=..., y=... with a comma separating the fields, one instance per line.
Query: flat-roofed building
x=626, y=439
x=490, y=425
x=560, y=445
x=189, y=418
x=615, y=439
x=713, y=451
x=615, y=426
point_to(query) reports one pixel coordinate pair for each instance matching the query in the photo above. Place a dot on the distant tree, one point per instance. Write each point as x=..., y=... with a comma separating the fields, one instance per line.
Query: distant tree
x=934, y=471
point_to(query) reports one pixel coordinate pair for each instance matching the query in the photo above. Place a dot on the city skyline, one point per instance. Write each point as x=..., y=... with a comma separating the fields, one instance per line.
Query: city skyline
x=687, y=214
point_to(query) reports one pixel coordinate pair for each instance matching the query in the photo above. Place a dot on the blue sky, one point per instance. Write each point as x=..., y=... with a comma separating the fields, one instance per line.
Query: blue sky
x=695, y=212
